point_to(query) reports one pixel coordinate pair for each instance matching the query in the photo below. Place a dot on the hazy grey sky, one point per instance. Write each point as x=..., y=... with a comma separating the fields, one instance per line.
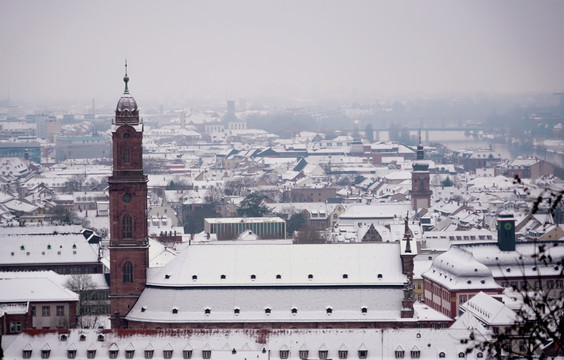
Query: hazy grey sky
x=76, y=49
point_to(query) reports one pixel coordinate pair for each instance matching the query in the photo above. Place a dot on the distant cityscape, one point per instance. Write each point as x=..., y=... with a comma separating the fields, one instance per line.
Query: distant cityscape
x=320, y=230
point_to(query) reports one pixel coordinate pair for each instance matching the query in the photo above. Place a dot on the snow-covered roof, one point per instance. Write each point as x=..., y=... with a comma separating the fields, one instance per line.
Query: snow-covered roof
x=33, y=289
x=46, y=249
x=217, y=305
x=361, y=263
x=489, y=310
x=458, y=269
x=248, y=343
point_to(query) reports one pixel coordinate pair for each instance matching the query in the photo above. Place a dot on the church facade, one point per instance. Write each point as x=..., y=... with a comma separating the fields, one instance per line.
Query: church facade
x=266, y=285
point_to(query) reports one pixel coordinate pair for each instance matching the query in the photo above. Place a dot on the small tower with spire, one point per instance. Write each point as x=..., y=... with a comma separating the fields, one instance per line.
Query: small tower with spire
x=420, y=181
x=408, y=248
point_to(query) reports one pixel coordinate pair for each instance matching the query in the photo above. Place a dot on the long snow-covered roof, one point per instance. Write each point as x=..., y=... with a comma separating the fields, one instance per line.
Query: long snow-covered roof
x=46, y=249
x=248, y=305
x=248, y=344
x=282, y=265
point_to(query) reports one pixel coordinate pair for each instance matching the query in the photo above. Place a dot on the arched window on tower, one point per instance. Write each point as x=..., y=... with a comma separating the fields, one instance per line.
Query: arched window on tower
x=126, y=156
x=127, y=227
x=128, y=272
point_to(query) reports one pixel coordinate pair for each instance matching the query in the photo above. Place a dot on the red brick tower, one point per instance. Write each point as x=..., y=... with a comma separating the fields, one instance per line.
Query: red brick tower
x=420, y=181
x=129, y=245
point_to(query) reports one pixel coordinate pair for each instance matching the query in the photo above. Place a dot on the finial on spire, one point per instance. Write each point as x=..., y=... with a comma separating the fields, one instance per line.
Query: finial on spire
x=126, y=79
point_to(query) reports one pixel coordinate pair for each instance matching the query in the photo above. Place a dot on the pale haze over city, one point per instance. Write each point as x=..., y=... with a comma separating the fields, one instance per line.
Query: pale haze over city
x=282, y=180
x=177, y=49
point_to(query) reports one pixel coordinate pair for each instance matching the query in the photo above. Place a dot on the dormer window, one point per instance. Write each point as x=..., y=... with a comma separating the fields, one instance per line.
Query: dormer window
x=310, y=276
x=364, y=310
x=207, y=311
x=253, y=277
x=236, y=311
x=379, y=276
x=362, y=354
x=194, y=277
x=267, y=311
x=175, y=310
x=82, y=337
x=345, y=276
x=329, y=310
x=129, y=354
x=294, y=311
x=223, y=277
x=278, y=276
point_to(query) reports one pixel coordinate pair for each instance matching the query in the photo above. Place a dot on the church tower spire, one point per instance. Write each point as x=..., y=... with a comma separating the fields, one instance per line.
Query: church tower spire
x=420, y=181
x=129, y=245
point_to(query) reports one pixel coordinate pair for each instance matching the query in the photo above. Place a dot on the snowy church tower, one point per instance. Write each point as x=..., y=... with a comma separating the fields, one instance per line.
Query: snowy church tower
x=420, y=181
x=129, y=245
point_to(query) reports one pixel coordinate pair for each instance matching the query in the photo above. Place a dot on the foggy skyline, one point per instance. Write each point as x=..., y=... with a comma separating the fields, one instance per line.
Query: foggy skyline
x=75, y=50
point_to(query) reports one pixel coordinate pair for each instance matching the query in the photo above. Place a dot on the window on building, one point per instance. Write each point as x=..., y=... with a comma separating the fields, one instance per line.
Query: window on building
x=480, y=355
x=343, y=354
x=399, y=354
x=537, y=284
x=33, y=311
x=45, y=354
x=522, y=346
x=206, y=354
x=550, y=284
x=26, y=354
x=495, y=330
x=559, y=284
x=462, y=299
x=128, y=272
x=167, y=354
x=129, y=354
x=113, y=354
x=524, y=285
x=126, y=156
x=362, y=354
x=187, y=354
x=71, y=354
x=415, y=354
x=442, y=354
x=46, y=311
x=323, y=354
x=15, y=327
x=127, y=227
x=91, y=354
x=60, y=310
x=304, y=354
x=284, y=354
x=461, y=355
x=149, y=354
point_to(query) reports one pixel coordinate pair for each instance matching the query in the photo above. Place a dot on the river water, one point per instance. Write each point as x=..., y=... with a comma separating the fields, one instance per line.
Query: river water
x=455, y=140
